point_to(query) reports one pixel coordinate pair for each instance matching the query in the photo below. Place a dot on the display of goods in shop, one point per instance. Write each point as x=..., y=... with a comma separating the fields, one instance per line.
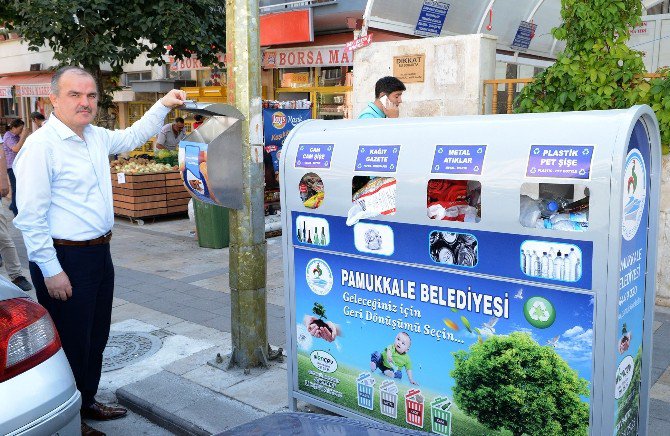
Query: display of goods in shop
x=139, y=166
x=167, y=157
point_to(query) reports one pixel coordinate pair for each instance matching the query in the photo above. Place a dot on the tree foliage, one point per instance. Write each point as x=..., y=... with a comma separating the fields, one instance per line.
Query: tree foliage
x=108, y=33
x=598, y=70
x=511, y=382
x=319, y=310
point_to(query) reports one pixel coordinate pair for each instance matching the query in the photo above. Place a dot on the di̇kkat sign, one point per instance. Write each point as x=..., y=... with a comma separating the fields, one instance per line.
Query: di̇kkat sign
x=410, y=68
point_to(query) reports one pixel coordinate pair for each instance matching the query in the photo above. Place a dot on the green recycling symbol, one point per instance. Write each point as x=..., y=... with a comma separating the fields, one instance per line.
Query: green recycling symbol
x=539, y=312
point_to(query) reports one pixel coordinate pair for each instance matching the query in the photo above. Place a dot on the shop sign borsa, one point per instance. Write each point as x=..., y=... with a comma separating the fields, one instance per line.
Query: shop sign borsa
x=308, y=57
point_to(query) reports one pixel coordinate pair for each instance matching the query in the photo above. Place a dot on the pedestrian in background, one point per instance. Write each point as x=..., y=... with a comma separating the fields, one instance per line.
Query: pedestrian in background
x=14, y=139
x=38, y=120
x=66, y=216
x=199, y=119
x=170, y=135
x=8, y=252
x=388, y=96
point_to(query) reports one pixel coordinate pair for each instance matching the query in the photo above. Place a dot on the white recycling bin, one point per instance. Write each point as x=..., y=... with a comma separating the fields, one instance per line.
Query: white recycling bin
x=472, y=261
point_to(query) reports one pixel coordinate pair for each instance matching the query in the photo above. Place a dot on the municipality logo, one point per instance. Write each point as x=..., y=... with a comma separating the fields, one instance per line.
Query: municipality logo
x=634, y=194
x=319, y=276
x=539, y=312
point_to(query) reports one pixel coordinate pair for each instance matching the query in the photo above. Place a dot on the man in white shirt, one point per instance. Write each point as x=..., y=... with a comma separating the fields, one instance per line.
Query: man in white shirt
x=64, y=195
x=170, y=135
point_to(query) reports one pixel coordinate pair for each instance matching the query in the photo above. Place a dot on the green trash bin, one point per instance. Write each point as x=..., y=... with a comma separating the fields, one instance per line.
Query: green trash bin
x=212, y=225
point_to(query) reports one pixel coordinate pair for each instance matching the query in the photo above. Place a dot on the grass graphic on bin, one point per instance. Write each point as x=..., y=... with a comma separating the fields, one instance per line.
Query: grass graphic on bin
x=461, y=424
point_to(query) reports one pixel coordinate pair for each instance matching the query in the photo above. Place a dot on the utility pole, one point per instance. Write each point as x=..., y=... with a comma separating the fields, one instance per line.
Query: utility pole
x=248, y=252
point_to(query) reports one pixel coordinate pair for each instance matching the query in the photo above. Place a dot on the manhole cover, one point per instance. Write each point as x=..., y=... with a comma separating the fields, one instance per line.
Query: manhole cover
x=126, y=348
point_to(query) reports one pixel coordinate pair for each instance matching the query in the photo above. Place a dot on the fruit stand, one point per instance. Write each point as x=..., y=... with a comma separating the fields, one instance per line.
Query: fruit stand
x=144, y=188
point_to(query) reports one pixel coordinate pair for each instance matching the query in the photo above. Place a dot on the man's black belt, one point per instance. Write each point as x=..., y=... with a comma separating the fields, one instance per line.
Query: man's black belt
x=104, y=239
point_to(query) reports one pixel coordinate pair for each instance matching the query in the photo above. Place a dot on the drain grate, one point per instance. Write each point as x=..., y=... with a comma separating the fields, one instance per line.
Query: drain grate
x=126, y=348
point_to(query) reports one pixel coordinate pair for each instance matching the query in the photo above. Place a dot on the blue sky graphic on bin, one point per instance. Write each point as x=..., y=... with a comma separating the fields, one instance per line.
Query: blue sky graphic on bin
x=431, y=349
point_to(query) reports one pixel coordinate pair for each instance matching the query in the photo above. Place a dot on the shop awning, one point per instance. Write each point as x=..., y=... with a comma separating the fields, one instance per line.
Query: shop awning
x=26, y=85
x=5, y=92
x=6, y=84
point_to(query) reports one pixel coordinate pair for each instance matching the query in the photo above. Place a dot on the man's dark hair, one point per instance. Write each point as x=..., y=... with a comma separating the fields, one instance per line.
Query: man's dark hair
x=387, y=85
x=16, y=123
x=37, y=116
x=179, y=120
x=198, y=117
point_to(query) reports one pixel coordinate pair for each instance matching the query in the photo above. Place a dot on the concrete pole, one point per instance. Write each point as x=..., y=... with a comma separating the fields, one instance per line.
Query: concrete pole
x=247, y=226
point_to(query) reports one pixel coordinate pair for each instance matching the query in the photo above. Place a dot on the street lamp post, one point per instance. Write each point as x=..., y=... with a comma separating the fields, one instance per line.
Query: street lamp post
x=247, y=226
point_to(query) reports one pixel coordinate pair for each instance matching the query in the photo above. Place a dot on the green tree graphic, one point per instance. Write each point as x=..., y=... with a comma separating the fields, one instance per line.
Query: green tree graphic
x=511, y=382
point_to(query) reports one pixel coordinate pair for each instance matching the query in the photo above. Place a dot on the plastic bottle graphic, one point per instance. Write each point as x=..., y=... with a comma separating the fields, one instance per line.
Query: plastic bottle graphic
x=574, y=260
x=300, y=235
x=558, y=266
x=544, y=265
x=578, y=269
x=304, y=231
x=534, y=264
x=309, y=236
x=523, y=262
x=527, y=262
x=567, y=271
x=551, y=257
x=316, y=237
x=323, y=236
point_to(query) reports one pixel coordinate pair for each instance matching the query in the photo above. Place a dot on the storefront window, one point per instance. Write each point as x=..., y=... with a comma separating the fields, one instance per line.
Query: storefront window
x=327, y=88
x=333, y=76
x=296, y=78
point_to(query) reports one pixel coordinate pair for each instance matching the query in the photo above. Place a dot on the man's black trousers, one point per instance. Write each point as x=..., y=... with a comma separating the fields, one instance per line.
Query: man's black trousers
x=83, y=320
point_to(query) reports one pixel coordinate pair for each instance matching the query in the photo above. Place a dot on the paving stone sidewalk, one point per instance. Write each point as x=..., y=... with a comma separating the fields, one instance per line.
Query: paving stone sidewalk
x=167, y=286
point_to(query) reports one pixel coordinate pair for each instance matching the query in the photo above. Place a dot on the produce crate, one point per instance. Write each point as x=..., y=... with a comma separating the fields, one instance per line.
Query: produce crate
x=149, y=195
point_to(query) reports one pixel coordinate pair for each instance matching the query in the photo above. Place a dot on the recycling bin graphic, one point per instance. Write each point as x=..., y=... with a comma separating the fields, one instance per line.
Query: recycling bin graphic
x=414, y=407
x=365, y=384
x=388, y=399
x=441, y=415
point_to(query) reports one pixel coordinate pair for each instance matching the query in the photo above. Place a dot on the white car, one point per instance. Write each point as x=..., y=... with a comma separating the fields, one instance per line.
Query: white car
x=38, y=395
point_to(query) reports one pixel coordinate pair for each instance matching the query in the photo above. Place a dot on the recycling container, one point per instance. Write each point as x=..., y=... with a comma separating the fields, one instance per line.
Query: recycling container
x=212, y=225
x=421, y=250
x=210, y=157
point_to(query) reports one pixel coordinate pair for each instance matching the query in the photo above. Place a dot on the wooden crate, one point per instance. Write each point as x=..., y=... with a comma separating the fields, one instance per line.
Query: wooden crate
x=149, y=195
